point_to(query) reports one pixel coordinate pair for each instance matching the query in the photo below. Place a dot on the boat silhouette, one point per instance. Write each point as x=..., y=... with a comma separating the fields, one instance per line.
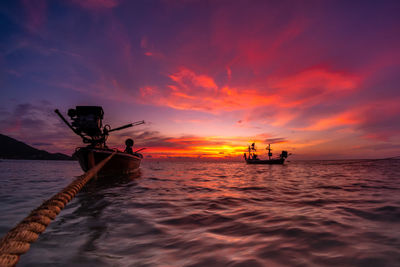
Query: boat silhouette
x=87, y=123
x=252, y=157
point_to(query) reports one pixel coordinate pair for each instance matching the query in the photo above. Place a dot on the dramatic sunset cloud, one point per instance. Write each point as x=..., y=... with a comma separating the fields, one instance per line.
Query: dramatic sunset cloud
x=189, y=91
x=320, y=79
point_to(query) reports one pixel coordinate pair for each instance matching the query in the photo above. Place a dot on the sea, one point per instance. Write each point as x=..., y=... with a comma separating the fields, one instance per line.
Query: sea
x=303, y=213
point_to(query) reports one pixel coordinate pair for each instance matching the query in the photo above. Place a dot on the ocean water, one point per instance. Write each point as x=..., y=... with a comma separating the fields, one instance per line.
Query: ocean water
x=305, y=213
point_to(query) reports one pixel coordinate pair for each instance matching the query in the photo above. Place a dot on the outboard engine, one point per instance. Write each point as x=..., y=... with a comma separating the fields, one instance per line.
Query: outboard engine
x=87, y=120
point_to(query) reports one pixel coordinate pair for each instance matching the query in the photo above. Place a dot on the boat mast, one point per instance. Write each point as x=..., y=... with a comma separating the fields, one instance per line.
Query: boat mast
x=269, y=151
x=253, y=147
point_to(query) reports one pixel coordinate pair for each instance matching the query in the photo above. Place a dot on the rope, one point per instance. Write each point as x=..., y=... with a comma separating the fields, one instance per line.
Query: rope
x=17, y=240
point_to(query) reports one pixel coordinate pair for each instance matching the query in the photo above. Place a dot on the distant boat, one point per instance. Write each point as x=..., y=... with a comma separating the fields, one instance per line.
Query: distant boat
x=252, y=157
x=87, y=123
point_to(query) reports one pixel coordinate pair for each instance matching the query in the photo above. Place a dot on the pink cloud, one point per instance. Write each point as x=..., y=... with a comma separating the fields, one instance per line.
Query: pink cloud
x=192, y=91
x=374, y=120
x=186, y=78
x=343, y=119
x=96, y=4
x=313, y=86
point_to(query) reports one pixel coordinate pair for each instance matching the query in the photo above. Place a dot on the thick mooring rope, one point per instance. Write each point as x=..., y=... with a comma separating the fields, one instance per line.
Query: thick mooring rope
x=17, y=240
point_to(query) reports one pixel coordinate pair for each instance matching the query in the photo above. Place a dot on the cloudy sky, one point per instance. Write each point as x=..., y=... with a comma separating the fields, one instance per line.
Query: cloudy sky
x=318, y=78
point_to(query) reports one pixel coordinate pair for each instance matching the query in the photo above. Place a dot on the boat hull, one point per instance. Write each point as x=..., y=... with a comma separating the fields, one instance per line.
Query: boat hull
x=267, y=161
x=120, y=163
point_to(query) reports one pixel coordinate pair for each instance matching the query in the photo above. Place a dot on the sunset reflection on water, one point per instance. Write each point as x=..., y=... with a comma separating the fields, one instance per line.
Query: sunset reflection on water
x=325, y=213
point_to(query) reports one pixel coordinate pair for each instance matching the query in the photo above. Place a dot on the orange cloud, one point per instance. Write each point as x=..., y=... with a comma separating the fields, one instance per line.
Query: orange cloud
x=192, y=91
x=375, y=119
x=200, y=92
x=186, y=78
x=343, y=119
x=311, y=86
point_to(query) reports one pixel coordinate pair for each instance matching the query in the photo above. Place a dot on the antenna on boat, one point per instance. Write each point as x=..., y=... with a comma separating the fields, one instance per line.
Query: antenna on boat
x=127, y=126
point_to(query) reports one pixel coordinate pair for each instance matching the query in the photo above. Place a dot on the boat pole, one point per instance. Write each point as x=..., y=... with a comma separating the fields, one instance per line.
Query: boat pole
x=17, y=241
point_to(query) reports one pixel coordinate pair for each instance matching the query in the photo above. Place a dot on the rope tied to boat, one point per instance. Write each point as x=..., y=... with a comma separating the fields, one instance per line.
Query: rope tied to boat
x=17, y=241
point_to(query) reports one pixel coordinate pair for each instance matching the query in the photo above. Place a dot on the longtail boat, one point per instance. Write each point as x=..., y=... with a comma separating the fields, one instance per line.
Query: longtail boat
x=252, y=157
x=86, y=121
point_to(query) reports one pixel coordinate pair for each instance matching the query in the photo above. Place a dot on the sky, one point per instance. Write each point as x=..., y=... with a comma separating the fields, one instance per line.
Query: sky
x=317, y=78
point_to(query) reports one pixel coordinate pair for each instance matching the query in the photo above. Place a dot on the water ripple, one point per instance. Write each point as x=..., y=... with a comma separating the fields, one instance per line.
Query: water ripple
x=310, y=213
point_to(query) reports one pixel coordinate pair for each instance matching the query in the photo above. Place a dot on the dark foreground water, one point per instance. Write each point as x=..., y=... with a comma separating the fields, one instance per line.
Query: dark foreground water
x=316, y=213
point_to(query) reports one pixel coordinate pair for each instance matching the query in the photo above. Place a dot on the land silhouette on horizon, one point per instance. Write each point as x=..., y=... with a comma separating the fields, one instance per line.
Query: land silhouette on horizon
x=11, y=148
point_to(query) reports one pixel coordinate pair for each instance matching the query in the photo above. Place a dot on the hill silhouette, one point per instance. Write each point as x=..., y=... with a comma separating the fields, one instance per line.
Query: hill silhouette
x=11, y=148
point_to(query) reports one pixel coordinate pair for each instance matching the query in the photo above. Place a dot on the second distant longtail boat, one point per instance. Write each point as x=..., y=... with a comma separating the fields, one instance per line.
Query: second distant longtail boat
x=252, y=158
